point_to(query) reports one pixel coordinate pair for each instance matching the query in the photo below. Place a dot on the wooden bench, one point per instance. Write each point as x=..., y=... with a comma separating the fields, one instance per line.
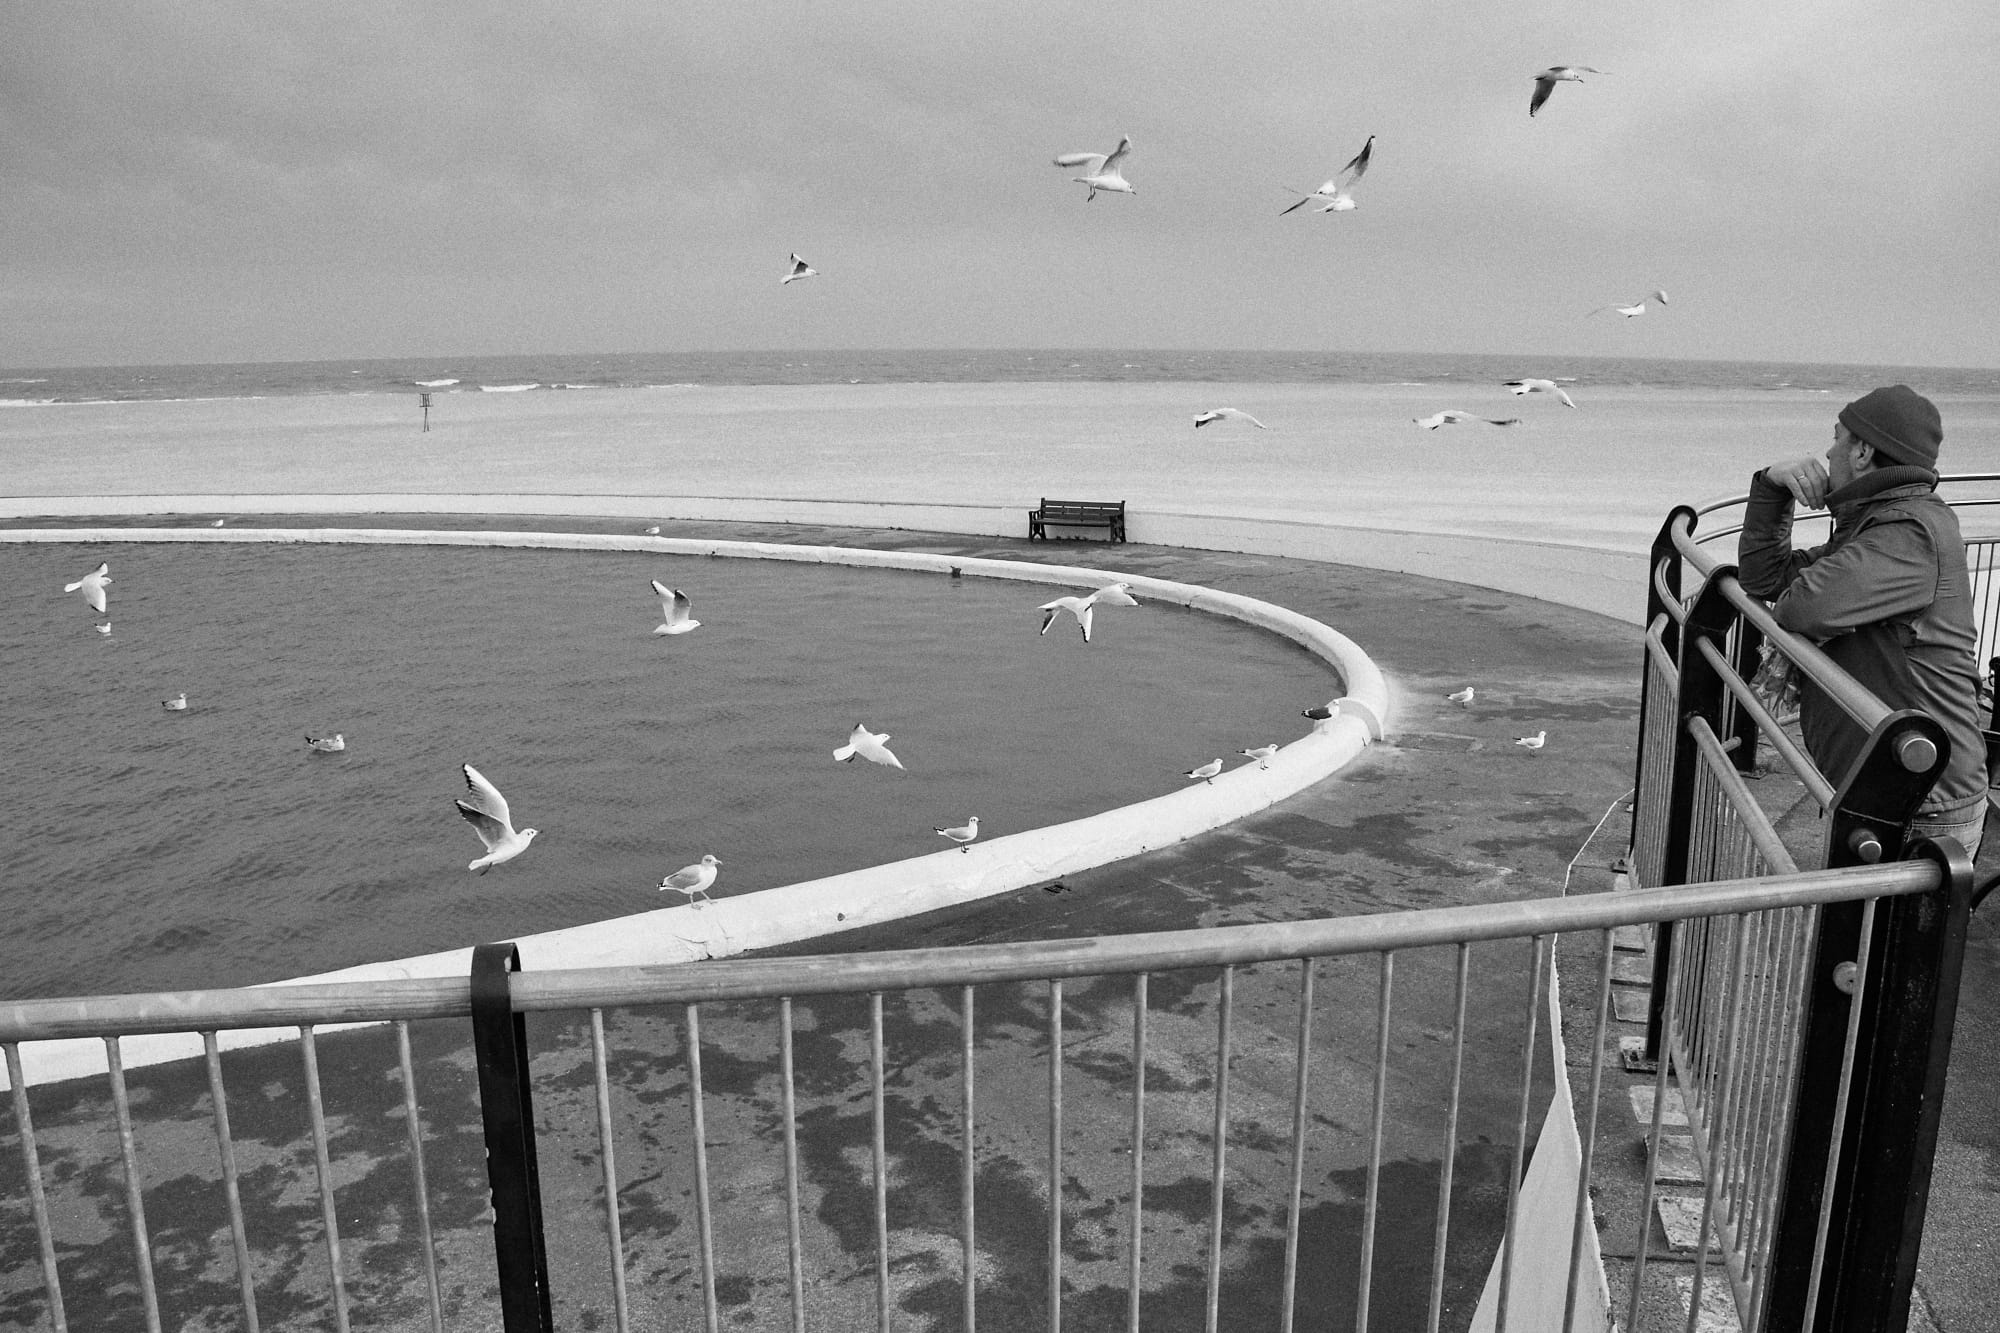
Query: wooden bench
x=1107, y=514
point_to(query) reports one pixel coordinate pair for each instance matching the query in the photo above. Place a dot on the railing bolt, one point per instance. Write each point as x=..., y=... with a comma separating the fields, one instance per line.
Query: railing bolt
x=1865, y=845
x=1916, y=753
x=1843, y=978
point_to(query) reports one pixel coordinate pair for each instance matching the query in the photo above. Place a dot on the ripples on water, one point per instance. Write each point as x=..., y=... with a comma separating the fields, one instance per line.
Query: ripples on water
x=156, y=850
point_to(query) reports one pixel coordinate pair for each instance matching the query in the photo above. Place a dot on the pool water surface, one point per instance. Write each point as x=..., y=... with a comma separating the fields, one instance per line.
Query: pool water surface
x=151, y=849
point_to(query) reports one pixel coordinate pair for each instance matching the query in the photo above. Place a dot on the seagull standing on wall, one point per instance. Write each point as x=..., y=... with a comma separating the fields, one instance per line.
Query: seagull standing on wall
x=1206, y=772
x=488, y=814
x=1338, y=191
x=1546, y=81
x=963, y=834
x=1101, y=171
x=693, y=880
x=1260, y=753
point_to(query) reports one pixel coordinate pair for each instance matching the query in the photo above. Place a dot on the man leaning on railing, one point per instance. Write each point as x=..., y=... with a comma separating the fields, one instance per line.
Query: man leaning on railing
x=1887, y=598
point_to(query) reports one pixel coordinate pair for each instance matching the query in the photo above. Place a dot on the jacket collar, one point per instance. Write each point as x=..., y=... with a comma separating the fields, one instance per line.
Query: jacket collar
x=1874, y=485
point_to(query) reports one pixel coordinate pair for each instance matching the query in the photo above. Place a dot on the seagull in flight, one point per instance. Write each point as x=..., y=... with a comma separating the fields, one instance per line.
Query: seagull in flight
x=800, y=269
x=177, y=704
x=1546, y=81
x=1101, y=171
x=487, y=813
x=963, y=834
x=1631, y=308
x=333, y=744
x=1111, y=594
x=676, y=604
x=1456, y=418
x=1463, y=698
x=870, y=745
x=1518, y=387
x=1206, y=772
x=1532, y=743
x=1261, y=754
x=92, y=586
x=1206, y=418
x=1338, y=191
x=693, y=880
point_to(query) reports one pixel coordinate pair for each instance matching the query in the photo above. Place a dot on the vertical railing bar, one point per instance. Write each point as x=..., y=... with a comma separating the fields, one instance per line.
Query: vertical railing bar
x=1643, y=1245
x=967, y=1173
x=1718, y=1118
x=1855, y=1000
x=226, y=1147
x=1138, y=1150
x=1770, y=1063
x=413, y=1128
x=1533, y=1025
x=135, y=1202
x=329, y=1215
x=1797, y=922
x=789, y=1112
x=1748, y=1161
x=1219, y=1142
x=878, y=1060
x=608, y=1163
x=1302, y=1060
x=1583, y=1217
x=1442, y=1234
x=1372, y=1203
x=38, y=1201
x=705, y=1222
x=1055, y=1154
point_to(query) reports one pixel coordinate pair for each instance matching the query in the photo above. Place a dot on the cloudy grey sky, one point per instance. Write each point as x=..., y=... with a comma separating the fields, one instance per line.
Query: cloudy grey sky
x=1808, y=179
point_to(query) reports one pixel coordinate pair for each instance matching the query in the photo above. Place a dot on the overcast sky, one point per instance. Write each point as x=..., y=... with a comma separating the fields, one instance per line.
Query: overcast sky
x=1808, y=179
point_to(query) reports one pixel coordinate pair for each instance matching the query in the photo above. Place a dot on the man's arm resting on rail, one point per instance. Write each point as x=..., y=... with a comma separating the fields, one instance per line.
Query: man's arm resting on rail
x=1888, y=570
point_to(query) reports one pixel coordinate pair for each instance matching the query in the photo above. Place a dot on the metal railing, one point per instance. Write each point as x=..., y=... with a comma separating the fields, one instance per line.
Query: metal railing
x=1776, y=1057
x=1291, y=1123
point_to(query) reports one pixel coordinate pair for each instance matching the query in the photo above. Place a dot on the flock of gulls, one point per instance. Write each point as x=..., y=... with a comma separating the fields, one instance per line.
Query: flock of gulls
x=1105, y=173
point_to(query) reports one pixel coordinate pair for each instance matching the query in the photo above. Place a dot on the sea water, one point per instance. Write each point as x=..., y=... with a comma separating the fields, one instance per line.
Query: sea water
x=157, y=849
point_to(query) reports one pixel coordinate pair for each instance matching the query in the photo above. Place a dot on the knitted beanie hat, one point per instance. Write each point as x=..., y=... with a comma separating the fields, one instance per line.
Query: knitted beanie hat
x=1899, y=422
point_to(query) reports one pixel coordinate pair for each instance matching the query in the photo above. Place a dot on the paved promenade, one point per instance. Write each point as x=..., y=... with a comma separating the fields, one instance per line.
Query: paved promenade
x=1448, y=811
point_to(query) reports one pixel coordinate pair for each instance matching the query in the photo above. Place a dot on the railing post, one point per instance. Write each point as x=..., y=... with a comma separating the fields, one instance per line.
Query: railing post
x=500, y=1046
x=1663, y=565
x=1702, y=694
x=1909, y=1000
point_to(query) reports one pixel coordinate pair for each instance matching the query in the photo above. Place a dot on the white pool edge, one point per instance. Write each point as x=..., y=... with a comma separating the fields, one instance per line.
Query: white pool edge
x=836, y=903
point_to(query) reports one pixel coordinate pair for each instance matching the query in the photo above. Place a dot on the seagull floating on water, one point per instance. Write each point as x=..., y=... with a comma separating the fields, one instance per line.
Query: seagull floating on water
x=178, y=704
x=333, y=744
x=693, y=880
x=488, y=814
x=1111, y=594
x=799, y=269
x=1631, y=308
x=1101, y=171
x=1519, y=387
x=92, y=586
x=1219, y=413
x=677, y=605
x=1463, y=698
x=870, y=745
x=653, y=531
x=216, y=524
x=1337, y=192
x=963, y=834
x=1451, y=418
x=1532, y=743
x=105, y=628
x=1546, y=81
x=1260, y=754
x=1206, y=772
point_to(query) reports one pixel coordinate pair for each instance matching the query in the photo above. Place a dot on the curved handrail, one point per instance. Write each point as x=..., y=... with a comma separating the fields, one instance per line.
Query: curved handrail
x=1720, y=503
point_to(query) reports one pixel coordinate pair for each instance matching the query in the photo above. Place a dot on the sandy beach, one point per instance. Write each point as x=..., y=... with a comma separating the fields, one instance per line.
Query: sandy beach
x=1601, y=477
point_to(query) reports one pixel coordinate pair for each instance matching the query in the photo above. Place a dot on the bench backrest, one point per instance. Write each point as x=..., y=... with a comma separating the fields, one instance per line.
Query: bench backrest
x=1081, y=508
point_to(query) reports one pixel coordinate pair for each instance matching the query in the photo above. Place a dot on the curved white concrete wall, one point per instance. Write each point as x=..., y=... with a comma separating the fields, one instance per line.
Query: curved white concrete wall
x=1587, y=577
x=839, y=902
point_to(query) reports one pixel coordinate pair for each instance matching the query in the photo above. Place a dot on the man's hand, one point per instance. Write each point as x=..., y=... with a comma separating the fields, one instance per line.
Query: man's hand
x=1805, y=478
